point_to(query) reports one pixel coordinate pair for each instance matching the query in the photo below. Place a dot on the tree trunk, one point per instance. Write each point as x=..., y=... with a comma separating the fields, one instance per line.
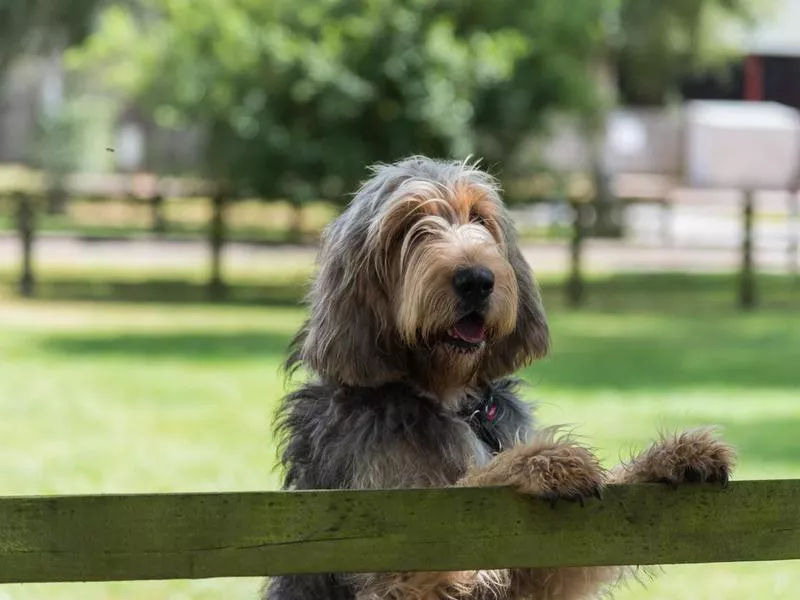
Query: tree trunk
x=57, y=199
x=608, y=209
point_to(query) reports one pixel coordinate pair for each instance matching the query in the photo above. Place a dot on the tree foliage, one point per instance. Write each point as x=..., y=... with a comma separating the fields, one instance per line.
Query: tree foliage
x=657, y=44
x=32, y=26
x=297, y=96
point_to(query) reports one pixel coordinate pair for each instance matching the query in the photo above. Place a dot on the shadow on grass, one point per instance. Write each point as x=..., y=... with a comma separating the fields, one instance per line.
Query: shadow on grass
x=171, y=291
x=190, y=345
x=686, y=293
x=638, y=332
x=655, y=352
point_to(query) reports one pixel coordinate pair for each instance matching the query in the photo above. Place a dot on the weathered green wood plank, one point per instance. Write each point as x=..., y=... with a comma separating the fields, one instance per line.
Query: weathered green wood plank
x=97, y=538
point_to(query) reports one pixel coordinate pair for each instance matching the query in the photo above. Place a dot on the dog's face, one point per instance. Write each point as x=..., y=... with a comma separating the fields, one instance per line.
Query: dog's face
x=443, y=260
x=421, y=279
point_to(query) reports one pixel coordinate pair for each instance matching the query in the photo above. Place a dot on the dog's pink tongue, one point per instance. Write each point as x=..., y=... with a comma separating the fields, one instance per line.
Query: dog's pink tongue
x=470, y=330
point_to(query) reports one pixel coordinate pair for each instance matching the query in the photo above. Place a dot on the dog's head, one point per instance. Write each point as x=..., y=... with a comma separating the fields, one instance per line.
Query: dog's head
x=421, y=279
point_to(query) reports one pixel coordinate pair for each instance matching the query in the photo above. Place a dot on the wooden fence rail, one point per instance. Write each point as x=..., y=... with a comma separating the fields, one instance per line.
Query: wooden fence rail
x=181, y=536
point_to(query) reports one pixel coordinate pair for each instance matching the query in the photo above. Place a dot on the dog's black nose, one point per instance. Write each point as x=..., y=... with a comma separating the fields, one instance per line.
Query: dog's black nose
x=473, y=284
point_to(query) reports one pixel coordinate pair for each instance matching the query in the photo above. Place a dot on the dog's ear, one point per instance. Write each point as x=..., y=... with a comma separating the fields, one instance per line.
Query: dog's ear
x=345, y=337
x=530, y=339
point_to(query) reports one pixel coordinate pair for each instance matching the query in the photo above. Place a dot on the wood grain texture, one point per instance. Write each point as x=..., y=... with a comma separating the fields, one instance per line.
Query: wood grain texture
x=182, y=536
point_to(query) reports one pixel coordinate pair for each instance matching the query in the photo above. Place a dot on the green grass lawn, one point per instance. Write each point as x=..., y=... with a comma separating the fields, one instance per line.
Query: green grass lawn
x=158, y=396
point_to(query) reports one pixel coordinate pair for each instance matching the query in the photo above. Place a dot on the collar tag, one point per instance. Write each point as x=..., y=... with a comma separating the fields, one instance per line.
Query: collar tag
x=490, y=409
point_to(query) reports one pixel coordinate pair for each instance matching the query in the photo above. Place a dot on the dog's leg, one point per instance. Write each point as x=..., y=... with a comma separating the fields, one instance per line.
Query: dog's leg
x=691, y=457
x=551, y=468
x=555, y=470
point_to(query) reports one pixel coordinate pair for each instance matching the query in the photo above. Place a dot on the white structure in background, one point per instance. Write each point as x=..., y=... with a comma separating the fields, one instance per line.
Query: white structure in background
x=687, y=142
x=741, y=145
x=51, y=92
x=130, y=145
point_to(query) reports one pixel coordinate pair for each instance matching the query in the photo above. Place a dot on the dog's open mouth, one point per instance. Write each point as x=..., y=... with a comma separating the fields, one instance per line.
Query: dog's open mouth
x=469, y=332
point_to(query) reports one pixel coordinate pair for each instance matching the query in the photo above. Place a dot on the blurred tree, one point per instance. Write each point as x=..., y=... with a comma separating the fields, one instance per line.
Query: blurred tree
x=657, y=44
x=299, y=95
x=36, y=26
x=550, y=73
x=653, y=46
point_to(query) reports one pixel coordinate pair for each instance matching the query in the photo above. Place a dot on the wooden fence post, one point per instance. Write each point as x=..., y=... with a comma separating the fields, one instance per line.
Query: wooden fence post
x=295, y=234
x=575, y=283
x=157, y=221
x=216, y=285
x=793, y=233
x=667, y=221
x=747, y=283
x=25, y=231
x=57, y=198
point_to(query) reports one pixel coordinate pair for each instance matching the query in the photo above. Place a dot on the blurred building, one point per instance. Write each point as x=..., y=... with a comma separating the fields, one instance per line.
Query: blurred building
x=770, y=69
x=37, y=89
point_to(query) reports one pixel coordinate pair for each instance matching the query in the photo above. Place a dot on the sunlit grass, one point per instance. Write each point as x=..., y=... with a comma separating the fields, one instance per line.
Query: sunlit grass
x=103, y=396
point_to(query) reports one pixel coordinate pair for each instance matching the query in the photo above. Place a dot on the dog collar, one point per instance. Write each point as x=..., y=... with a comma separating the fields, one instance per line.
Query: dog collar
x=490, y=407
x=482, y=419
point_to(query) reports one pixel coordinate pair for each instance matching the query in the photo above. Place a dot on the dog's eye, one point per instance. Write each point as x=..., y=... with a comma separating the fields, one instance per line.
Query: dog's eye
x=477, y=219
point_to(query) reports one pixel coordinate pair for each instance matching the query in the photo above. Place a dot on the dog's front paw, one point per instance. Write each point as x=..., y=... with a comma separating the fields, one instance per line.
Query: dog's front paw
x=690, y=457
x=548, y=468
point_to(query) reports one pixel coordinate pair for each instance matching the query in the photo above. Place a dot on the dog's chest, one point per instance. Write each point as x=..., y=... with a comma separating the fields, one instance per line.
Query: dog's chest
x=441, y=461
x=407, y=439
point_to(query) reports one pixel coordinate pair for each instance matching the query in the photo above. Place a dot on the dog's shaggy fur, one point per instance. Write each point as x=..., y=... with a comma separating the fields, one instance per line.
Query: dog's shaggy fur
x=422, y=308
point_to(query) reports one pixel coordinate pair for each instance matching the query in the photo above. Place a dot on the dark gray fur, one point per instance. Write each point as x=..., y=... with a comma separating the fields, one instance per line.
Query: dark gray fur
x=329, y=433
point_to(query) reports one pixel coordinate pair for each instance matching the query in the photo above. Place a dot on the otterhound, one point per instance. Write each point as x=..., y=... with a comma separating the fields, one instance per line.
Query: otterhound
x=422, y=308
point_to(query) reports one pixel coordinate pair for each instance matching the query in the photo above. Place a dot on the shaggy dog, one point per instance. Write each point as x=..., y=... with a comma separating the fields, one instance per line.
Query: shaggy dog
x=422, y=308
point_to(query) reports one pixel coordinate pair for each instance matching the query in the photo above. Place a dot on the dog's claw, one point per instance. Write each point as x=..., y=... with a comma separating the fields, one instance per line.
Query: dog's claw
x=692, y=476
x=671, y=483
x=552, y=498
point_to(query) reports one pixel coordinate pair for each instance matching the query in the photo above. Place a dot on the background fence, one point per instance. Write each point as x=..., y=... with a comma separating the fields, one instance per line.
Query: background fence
x=29, y=199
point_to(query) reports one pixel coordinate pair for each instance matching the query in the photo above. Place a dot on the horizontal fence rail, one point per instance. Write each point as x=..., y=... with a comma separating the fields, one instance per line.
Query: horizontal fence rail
x=187, y=536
